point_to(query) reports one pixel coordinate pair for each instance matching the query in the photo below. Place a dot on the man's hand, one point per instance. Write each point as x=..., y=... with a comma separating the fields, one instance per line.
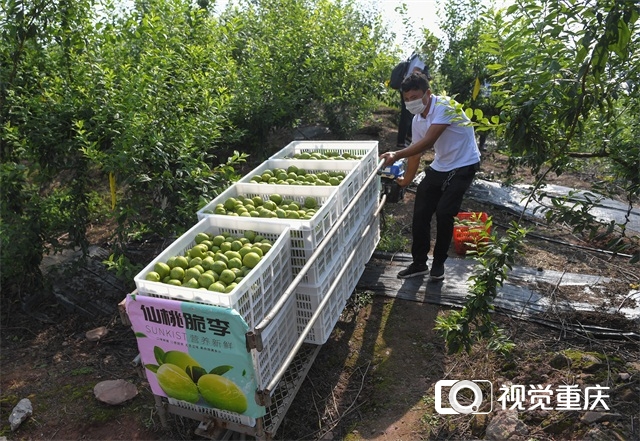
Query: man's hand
x=389, y=158
x=404, y=181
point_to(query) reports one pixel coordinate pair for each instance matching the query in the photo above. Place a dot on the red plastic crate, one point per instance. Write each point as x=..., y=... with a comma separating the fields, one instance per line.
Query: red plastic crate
x=471, y=233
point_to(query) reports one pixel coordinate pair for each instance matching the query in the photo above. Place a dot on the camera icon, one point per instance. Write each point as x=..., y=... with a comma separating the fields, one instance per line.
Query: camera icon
x=478, y=388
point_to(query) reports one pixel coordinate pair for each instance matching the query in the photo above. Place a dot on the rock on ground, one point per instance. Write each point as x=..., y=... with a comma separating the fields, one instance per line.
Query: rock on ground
x=505, y=425
x=114, y=391
x=21, y=412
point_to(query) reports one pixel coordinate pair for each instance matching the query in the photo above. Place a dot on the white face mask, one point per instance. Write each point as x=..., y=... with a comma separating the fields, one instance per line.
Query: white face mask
x=415, y=106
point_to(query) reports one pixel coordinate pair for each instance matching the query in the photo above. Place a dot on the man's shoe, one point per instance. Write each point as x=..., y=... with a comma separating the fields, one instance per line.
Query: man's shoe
x=413, y=270
x=437, y=272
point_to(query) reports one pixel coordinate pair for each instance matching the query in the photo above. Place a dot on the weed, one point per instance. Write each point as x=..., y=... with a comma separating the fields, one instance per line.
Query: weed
x=82, y=371
x=362, y=299
x=391, y=238
x=122, y=266
x=461, y=329
x=99, y=209
x=430, y=418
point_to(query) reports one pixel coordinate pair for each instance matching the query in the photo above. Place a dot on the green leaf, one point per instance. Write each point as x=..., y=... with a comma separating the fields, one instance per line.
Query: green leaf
x=195, y=372
x=624, y=37
x=513, y=8
x=220, y=370
x=159, y=354
x=152, y=367
x=476, y=88
x=140, y=335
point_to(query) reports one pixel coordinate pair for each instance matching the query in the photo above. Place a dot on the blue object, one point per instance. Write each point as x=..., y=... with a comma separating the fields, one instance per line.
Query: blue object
x=394, y=171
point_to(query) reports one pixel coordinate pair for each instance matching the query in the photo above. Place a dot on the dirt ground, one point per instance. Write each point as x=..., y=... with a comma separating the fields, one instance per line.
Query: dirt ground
x=375, y=378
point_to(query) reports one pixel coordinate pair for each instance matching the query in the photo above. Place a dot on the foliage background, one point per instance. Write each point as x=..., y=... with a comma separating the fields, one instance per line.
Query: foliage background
x=160, y=103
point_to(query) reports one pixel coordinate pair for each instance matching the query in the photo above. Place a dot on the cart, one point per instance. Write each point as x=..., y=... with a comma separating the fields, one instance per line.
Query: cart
x=277, y=390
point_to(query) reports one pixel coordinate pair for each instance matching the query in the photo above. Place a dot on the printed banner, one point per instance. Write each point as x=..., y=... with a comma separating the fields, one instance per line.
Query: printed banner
x=195, y=353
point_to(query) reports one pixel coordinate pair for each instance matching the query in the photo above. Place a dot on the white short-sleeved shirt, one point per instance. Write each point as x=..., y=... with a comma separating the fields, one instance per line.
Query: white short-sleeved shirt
x=457, y=146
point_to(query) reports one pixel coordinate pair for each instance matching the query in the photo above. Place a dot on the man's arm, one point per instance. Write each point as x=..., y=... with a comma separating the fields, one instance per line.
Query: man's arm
x=413, y=163
x=417, y=148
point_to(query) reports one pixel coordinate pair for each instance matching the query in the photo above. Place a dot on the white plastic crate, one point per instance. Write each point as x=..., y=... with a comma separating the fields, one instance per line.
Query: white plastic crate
x=305, y=235
x=363, y=254
x=369, y=242
x=333, y=250
x=308, y=298
x=372, y=240
x=311, y=231
x=367, y=151
x=356, y=148
x=324, y=262
x=278, y=339
x=255, y=295
x=350, y=278
x=346, y=189
x=217, y=413
x=362, y=209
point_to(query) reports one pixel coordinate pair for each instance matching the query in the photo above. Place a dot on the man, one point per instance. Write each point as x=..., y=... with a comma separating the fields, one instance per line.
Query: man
x=435, y=125
x=404, y=127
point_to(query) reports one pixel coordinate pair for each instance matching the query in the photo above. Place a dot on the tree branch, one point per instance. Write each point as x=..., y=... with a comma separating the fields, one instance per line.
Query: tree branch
x=585, y=155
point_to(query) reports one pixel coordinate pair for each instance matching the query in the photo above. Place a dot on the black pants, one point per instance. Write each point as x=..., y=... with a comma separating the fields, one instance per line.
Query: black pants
x=404, y=127
x=445, y=202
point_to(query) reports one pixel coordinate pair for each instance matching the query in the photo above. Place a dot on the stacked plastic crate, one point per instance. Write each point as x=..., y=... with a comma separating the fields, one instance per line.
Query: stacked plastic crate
x=356, y=161
x=256, y=293
x=293, y=241
x=355, y=215
x=252, y=298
